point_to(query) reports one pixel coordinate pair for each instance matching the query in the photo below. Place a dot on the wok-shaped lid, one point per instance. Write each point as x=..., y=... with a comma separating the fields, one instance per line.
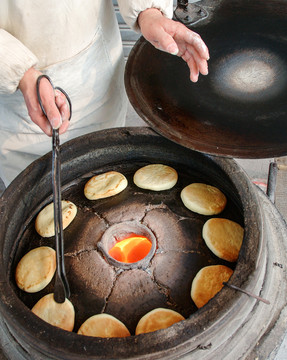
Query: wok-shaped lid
x=240, y=108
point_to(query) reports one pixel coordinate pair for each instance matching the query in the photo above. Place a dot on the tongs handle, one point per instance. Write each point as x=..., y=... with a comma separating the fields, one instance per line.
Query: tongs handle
x=55, y=88
x=62, y=289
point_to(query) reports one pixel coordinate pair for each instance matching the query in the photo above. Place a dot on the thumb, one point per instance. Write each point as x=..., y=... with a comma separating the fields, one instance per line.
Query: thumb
x=54, y=116
x=167, y=43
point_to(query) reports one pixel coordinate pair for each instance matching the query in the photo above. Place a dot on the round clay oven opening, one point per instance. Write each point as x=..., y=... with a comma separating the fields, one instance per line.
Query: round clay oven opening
x=121, y=231
x=211, y=329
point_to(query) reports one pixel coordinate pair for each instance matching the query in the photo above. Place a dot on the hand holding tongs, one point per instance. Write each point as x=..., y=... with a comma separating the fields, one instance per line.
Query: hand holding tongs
x=62, y=289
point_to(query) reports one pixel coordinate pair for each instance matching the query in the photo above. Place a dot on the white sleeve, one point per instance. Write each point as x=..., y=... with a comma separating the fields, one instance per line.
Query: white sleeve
x=130, y=9
x=15, y=60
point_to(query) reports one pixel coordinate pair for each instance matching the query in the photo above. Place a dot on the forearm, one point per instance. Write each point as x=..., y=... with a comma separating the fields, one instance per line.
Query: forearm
x=130, y=10
x=15, y=60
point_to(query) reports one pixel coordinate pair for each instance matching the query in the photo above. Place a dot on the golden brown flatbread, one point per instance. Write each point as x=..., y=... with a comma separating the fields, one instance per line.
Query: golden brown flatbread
x=44, y=223
x=208, y=282
x=223, y=237
x=157, y=319
x=105, y=185
x=60, y=315
x=156, y=177
x=203, y=199
x=104, y=326
x=36, y=269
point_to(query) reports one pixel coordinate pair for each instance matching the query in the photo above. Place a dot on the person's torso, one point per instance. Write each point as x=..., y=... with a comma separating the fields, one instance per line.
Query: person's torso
x=55, y=30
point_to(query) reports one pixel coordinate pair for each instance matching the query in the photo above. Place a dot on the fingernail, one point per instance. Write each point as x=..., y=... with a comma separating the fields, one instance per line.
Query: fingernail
x=194, y=78
x=56, y=123
x=64, y=111
x=172, y=49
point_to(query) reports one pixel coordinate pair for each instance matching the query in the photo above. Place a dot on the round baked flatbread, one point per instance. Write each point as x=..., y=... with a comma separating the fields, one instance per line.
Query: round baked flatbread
x=105, y=185
x=223, y=237
x=203, y=199
x=36, y=269
x=44, y=223
x=104, y=326
x=208, y=282
x=156, y=177
x=157, y=319
x=60, y=315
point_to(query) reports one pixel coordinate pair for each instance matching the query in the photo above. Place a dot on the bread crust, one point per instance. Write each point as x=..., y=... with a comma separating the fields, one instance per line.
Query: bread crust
x=36, y=269
x=103, y=325
x=157, y=319
x=203, y=199
x=60, y=315
x=223, y=237
x=208, y=282
x=105, y=185
x=155, y=177
x=44, y=223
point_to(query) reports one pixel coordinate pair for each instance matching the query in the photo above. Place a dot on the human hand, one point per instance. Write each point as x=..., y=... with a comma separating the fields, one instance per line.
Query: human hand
x=54, y=103
x=175, y=38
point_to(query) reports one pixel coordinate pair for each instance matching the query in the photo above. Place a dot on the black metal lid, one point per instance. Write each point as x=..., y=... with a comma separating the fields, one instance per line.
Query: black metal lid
x=239, y=109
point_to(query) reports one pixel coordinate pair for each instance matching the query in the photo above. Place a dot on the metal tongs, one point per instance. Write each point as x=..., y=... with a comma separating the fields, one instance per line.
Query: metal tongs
x=61, y=287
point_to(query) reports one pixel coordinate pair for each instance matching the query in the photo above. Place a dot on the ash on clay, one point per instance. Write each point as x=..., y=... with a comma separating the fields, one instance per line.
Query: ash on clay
x=97, y=286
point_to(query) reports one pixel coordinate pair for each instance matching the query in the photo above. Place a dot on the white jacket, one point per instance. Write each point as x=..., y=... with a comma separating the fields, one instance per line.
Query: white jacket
x=77, y=43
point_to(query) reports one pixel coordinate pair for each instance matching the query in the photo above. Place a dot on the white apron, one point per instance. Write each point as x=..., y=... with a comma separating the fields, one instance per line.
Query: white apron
x=96, y=88
x=78, y=44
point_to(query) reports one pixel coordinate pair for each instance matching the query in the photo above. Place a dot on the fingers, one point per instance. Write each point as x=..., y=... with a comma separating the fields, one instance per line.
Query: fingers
x=193, y=50
x=196, y=63
x=165, y=42
x=39, y=119
x=64, y=127
x=194, y=40
x=200, y=61
x=54, y=115
x=193, y=67
x=175, y=38
x=64, y=109
x=57, y=110
x=54, y=103
x=47, y=95
x=180, y=35
x=62, y=105
x=27, y=85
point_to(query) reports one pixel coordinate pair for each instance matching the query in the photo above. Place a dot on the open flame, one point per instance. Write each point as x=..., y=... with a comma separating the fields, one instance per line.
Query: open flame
x=131, y=249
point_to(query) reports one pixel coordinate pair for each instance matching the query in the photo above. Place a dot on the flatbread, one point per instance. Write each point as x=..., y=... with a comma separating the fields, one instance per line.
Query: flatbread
x=36, y=269
x=105, y=185
x=157, y=319
x=208, y=282
x=203, y=199
x=223, y=237
x=104, y=326
x=60, y=315
x=44, y=223
x=156, y=177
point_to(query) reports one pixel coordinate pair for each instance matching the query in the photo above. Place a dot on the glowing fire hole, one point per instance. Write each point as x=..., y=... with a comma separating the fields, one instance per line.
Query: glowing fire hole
x=131, y=249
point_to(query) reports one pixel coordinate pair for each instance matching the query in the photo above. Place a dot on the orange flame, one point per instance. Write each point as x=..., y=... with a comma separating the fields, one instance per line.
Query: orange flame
x=131, y=249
